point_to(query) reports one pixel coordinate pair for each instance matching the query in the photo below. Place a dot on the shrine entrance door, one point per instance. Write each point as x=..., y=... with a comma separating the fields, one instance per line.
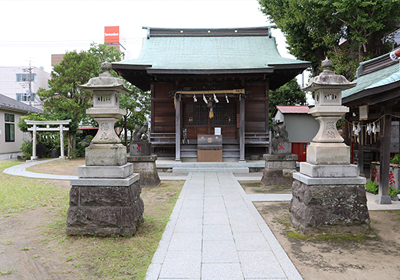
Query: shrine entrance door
x=197, y=121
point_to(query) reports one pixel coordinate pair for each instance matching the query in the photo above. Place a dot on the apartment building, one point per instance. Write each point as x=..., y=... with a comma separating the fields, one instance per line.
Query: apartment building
x=21, y=83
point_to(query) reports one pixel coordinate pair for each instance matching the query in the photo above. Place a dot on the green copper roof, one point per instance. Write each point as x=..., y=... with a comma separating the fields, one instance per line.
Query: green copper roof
x=375, y=73
x=209, y=50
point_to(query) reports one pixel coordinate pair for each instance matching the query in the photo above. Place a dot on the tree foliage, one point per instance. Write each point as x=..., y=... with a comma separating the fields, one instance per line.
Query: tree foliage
x=347, y=31
x=64, y=100
x=137, y=106
x=288, y=94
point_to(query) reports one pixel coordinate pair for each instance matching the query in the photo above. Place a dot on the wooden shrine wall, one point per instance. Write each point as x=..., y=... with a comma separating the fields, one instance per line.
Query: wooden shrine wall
x=256, y=108
x=162, y=109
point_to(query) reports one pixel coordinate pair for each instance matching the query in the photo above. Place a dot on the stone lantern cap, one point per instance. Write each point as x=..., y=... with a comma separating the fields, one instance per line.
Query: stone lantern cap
x=328, y=86
x=105, y=89
x=105, y=81
x=328, y=78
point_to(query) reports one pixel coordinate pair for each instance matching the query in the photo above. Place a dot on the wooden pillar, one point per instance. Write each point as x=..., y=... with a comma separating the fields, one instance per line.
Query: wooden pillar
x=34, y=157
x=178, y=129
x=242, y=128
x=152, y=110
x=62, y=142
x=386, y=131
x=266, y=108
x=360, y=156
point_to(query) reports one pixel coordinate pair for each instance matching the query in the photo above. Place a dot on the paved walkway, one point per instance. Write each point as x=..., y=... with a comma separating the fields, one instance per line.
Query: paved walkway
x=215, y=232
x=20, y=170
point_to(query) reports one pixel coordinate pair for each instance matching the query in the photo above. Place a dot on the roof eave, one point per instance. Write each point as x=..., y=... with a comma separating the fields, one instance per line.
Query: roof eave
x=210, y=71
x=12, y=109
x=304, y=65
x=370, y=92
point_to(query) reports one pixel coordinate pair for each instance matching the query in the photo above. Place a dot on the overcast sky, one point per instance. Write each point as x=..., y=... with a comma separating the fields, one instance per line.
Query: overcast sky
x=33, y=30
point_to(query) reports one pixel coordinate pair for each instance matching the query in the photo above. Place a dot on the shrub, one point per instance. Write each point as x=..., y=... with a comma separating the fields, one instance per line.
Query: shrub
x=393, y=192
x=395, y=159
x=26, y=148
x=372, y=187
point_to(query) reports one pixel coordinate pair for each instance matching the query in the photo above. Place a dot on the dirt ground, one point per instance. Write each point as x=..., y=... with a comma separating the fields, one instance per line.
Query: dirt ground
x=67, y=167
x=377, y=256
x=27, y=253
x=23, y=246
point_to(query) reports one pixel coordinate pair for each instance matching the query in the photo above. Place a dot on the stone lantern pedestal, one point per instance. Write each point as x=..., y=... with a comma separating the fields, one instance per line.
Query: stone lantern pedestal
x=105, y=199
x=327, y=191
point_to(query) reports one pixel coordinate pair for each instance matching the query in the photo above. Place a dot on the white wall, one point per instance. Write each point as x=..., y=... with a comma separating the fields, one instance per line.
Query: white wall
x=10, y=147
x=10, y=87
x=302, y=128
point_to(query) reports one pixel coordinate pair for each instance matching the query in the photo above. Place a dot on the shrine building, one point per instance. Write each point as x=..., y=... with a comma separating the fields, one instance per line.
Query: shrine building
x=211, y=82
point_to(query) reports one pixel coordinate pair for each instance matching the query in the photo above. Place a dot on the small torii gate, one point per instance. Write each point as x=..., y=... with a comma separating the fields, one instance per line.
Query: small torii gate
x=60, y=128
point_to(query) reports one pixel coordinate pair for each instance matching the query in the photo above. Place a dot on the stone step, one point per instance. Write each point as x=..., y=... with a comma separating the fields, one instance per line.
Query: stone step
x=210, y=169
x=187, y=167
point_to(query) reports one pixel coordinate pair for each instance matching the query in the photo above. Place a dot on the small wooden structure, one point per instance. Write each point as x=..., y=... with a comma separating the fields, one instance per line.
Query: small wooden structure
x=374, y=103
x=202, y=80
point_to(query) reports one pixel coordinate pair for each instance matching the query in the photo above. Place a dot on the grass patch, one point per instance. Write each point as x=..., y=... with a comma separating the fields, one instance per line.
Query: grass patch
x=18, y=193
x=329, y=237
x=90, y=257
x=118, y=257
x=8, y=271
x=293, y=233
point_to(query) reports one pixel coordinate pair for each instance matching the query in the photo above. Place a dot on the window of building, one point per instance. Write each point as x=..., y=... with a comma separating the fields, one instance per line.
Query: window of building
x=24, y=77
x=9, y=127
x=25, y=97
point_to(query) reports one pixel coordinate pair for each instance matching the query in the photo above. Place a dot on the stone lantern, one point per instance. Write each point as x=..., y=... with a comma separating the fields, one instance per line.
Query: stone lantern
x=327, y=190
x=105, y=199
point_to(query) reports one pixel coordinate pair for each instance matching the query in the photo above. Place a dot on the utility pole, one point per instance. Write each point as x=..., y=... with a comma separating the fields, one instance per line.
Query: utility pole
x=29, y=70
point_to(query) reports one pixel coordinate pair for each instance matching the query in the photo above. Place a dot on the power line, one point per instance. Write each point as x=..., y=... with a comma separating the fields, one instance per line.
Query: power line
x=57, y=43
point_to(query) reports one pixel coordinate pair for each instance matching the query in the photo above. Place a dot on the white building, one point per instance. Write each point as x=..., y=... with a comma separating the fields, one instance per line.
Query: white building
x=11, y=137
x=14, y=83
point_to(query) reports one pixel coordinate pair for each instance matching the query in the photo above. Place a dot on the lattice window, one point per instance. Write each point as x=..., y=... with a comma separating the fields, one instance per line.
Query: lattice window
x=198, y=113
x=195, y=114
x=224, y=114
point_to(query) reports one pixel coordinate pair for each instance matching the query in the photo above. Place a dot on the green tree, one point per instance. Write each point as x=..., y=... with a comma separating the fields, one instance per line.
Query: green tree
x=137, y=106
x=64, y=100
x=288, y=94
x=347, y=31
x=102, y=53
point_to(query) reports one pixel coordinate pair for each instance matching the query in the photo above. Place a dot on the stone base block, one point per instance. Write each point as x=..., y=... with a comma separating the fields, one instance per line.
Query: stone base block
x=104, y=210
x=328, y=171
x=105, y=155
x=383, y=199
x=356, y=180
x=278, y=147
x=122, y=171
x=329, y=206
x=280, y=164
x=328, y=153
x=272, y=177
x=146, y=167
x=140, y=148
x=279, y=169
x=290, y=157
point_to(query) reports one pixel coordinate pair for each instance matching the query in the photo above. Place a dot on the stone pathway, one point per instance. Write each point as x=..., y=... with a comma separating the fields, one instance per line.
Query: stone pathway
x=215, y=232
